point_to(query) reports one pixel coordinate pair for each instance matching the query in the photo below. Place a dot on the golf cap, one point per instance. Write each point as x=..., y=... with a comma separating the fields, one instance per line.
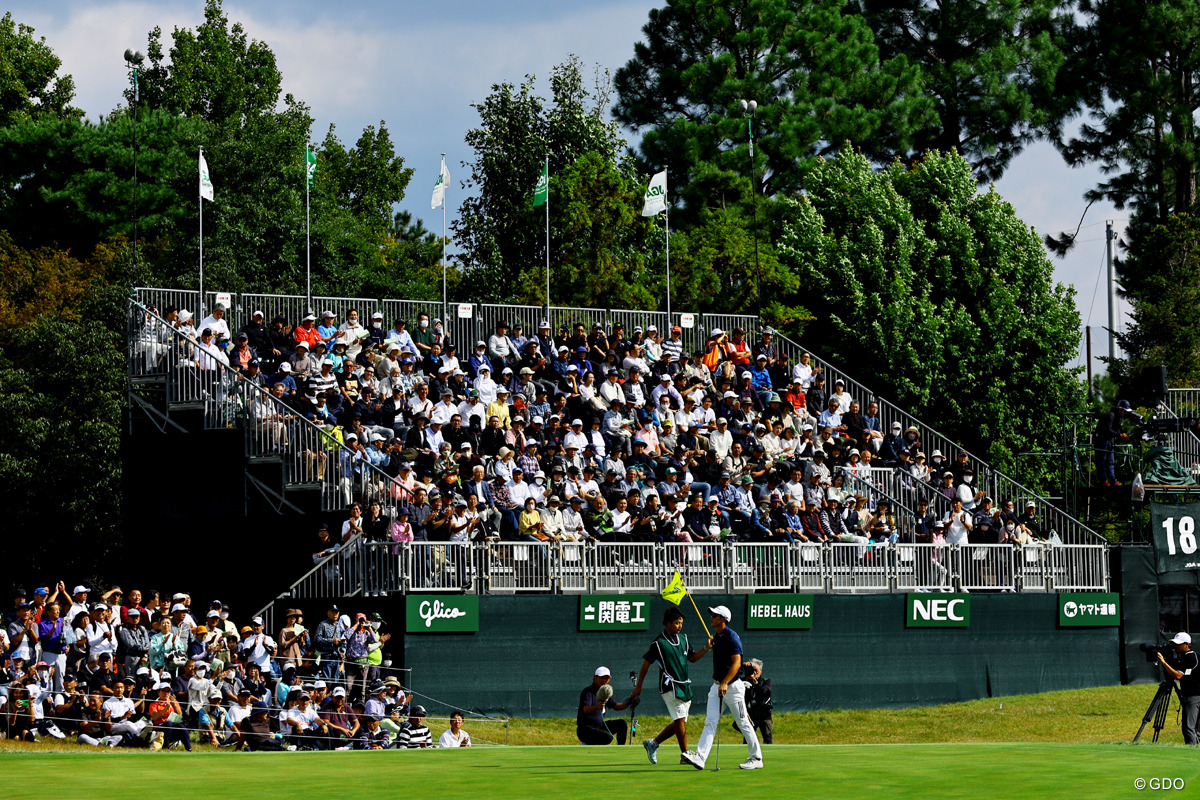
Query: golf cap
x=178, y=607
x=1181, y=638
x=77, y=590
x=602, y=672
x=721, y=611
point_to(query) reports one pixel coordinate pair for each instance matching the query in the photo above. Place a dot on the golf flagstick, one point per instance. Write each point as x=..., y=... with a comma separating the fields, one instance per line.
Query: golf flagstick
x=698, y=614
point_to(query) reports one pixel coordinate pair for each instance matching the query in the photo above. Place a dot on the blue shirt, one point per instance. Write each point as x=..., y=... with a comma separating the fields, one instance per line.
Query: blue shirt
x=726, y=645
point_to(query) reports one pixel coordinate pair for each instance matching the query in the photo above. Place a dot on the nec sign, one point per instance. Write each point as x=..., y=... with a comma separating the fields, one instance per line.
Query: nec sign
x=939, y=611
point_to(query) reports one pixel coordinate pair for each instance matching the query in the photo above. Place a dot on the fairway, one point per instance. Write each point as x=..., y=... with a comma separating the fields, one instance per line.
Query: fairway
x=837, y=771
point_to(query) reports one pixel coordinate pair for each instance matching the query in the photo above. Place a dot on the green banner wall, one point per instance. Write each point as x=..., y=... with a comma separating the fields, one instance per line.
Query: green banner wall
x=530, y=656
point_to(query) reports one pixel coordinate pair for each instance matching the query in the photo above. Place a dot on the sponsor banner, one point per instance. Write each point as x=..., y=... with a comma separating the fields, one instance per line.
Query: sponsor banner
x=1092, y=609
x=779, y=611
x=609, y=612
x=938, y=611
x=442, y=613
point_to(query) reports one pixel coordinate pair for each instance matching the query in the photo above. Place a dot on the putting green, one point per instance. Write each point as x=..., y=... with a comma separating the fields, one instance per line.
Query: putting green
x=926, y=771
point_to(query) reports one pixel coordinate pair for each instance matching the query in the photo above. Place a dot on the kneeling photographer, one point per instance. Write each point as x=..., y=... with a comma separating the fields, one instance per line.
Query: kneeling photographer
x=1183, y=665
x=590, y=725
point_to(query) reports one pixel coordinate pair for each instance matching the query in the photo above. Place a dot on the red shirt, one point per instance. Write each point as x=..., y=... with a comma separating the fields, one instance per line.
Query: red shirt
x=309, y=336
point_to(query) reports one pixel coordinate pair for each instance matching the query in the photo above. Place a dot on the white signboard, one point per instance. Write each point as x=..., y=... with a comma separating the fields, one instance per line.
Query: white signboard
x=225, y=299
x=466, y=310
x=687, y=320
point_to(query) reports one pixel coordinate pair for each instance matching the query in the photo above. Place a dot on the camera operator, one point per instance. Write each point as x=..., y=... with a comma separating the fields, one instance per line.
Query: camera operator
x=758, y=700
x=1105, y=437
x=1185, y=668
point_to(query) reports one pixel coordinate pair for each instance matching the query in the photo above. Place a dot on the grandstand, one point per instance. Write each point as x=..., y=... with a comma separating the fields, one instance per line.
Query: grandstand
x=302, y=470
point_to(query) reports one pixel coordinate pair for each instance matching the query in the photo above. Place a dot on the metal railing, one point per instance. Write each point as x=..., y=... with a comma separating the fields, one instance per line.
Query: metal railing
x=1184, y=403
x=371, y=568
x=309, y=455
x=991, y=481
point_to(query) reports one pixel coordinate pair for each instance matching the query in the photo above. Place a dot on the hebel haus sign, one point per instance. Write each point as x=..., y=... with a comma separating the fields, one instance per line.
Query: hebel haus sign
x=779, y=611
x=1089, y=609
x=614, y=613
x=938, y=611
x=442, y=613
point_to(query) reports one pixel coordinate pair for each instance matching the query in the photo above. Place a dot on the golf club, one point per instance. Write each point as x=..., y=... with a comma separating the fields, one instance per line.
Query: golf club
x=717, y=755
x=633, y=712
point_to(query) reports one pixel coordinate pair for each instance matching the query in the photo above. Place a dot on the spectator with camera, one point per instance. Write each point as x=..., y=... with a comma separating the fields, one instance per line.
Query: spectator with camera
x=1184, y=666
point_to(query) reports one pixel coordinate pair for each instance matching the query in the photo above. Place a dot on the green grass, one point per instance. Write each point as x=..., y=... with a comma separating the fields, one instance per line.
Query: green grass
x=1109, y=714
x=1009, y=771
x=1059, y=744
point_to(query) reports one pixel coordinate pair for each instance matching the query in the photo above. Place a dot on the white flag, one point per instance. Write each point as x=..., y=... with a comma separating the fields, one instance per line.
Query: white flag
x=439, y=188
x=206, y=187
x=656, y=195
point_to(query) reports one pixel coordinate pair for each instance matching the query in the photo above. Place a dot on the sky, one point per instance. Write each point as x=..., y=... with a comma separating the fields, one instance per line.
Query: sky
x=419, y=67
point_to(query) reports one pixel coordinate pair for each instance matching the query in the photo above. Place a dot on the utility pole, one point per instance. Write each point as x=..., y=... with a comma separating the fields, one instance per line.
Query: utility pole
x=1112, y=291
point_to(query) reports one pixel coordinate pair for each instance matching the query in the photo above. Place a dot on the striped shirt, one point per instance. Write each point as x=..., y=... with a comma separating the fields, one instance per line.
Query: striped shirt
x=412, y=736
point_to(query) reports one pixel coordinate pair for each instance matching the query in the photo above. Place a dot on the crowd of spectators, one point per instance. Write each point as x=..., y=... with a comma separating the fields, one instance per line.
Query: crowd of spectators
x=150, y=671
x=600, y=434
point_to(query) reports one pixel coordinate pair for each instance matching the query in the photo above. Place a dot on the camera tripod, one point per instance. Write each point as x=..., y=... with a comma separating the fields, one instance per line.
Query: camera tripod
x=1158, y=708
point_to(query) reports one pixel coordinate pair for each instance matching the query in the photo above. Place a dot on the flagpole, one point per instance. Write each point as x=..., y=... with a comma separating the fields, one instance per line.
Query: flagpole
x=547, y=235
x=307, y=229
x=445, y=303
x=200, y=198
x=689, y=596
x=668, y=220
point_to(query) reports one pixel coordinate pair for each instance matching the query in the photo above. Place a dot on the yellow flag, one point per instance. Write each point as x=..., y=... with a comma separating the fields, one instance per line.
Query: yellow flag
x=675, y=590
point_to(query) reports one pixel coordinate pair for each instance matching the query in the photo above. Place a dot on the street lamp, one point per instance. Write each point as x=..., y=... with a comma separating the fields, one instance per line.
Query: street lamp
x=748, y=108
x=134, y=59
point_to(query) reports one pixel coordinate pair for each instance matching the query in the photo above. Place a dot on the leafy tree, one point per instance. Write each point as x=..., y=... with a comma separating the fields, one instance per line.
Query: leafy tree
x=69, y=182
x=62, y=380
x=254, y=143
x=499, y=233
x=942, y=294
x=988, y=67
x=30, y=87
x=813, y=69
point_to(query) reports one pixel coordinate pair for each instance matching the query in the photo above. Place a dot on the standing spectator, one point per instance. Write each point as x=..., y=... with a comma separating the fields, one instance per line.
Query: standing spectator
x=52, y=637
x=134, y=642
x=358, y=647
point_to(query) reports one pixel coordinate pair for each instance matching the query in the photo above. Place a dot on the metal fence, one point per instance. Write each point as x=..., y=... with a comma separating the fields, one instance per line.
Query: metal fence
x=308, y=455
x=992, y=482
x=1185, y=403
x=377, y=568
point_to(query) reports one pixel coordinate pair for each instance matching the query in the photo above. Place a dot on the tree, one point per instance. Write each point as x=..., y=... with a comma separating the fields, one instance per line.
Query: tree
x=30, y=87
x=939, y=293
x=68, y=183
x=62, y=383
x=1165, y=298
x=254, y=143
x=814, y=71
x=1135, y=72
x=989, y=67
x=499, y=233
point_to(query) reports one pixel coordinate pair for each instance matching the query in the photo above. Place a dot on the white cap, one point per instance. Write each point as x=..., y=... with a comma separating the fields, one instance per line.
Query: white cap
x=257, y=314
x=79, y=589
x=1181, y=638
x=716, y=332
x=602, y=672
x=257, y=621
x=575, y=422
x=161, y=685
x=728, y=395
x=339, y=692
x=184, y=315
x=538, y=421
x=319, y=685
x=721, y=611
x=285, y=367
x=178, y=607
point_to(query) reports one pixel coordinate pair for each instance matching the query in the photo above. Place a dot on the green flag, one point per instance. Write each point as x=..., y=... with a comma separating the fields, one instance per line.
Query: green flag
x=311, y=158
x=675, y=590
x=542, y=190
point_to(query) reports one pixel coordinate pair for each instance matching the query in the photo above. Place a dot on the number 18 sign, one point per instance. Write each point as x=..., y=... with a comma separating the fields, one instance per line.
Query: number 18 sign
x=1173, y=527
